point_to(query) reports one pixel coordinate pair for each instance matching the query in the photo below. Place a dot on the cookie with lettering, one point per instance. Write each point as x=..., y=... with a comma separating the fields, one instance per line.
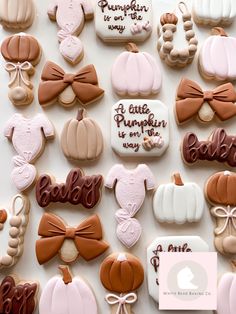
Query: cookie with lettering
x=175, y=244
x=122, y=274
x=123, y=21
x=219, y=147
x=21, y=52
x=178, y=202
x=78, y=297
x=18, y=296
x=69, y=242
x=130, y=187
x=139, y=127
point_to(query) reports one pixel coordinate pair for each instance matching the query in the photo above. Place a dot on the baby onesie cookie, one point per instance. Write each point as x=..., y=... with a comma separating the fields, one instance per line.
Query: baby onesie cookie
x=17, y=14
x=57, y=237
x=139, y=127
x=121, y=273
x=67, y=295
x=28, y=136
x=78, y=189
x=168, y=26
x=123, y=21
x=70, y=16
x=217, y=56
x=68, y=88
x=22, y=52
x=211, y=12
x=220, y=147
x=82, y=138
x=13, y=223
x=178, y=202
x=136, y=73
x=219, y=191
x=18, y=296
x=130, y=189
x=178, y=244
x=192, y=101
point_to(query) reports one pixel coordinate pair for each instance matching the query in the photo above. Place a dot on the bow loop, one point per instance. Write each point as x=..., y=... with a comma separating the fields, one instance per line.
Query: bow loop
x=122, y=300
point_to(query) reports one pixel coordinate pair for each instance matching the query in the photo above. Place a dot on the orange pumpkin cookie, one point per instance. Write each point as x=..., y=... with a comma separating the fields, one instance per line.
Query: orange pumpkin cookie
x=81, y=138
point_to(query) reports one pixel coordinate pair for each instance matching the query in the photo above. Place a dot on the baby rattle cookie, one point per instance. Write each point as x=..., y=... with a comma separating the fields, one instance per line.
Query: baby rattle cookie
x=168, y=53
x=82, y=138
x=22, y=52
x=68, y=88
x=217, y=56
x=128, y=20
x=211, y=12
x=178, y=202
x=18, y=296
x=192, y=101
x=77, y=297
x=84, y=240
x=13, y=223
x=219, y=191
x=130, y=189
x=70, y=16
x=123, y=274
x=136, y=73
x=17, y=14
x=28, y=137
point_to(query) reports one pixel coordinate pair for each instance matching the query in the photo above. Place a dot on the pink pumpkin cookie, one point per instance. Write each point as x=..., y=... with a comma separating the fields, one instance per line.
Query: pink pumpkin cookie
x=130, y=190
x=136, y=73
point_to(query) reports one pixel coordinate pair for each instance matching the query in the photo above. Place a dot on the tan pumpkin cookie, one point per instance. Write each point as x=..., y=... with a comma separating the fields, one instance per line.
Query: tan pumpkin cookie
x=81, y=138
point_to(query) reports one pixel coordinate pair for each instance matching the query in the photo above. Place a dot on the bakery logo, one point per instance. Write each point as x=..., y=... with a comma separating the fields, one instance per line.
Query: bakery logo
x=184, y=279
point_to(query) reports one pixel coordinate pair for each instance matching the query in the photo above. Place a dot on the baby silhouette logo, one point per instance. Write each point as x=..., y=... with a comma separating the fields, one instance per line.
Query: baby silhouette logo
x=184, y=279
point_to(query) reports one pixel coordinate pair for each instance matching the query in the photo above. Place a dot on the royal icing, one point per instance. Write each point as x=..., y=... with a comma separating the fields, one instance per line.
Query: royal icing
x=28, y=137
x=217, y=56
x=133, y=120
x=67, y=295
x=84, y=240
x=124, y=20
x=178, y=202
x=178, y=244
x=136, y=73
x=130, y=190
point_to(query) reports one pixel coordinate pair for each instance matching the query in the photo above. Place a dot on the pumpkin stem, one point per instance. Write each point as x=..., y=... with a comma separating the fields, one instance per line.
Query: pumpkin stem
x=177, y=179
x=132, y=48
x=219, y=31
x=80, y=114
x=233, y=263
x=67, y=278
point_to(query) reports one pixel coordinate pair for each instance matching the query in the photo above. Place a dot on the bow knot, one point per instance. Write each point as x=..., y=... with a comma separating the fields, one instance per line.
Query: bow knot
x=228, y=214
x=121, y=300
x=70, y=233
x=208, y=95
x=68, y=78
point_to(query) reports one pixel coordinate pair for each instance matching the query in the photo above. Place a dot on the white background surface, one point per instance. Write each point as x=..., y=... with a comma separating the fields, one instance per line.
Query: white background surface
x=53, y=161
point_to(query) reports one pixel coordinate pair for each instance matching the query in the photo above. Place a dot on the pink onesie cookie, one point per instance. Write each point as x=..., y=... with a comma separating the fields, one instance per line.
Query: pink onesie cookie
x=70, y=16
x=130, y=190
x=28, y=137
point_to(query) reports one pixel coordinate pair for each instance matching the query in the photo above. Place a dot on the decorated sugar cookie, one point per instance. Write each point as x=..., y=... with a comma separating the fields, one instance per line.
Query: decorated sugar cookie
x=130, y=189
x=179, y=244
x=216, y=58
x=13, y=223
x=70, y=16
x=136, y=73
x=192, y=101
x=17, y=14
x=123, y=21
x=220, y=147
x=211, y=12
x=178, y=202
x=18, y=296
x=139, y=127
x=78, y=189
x=82, y=138
x=219, y=191
x=123, y=274
x=68, y=88
x=78, y=297
x=57, y=237
x=21, y=52
x=28, y=136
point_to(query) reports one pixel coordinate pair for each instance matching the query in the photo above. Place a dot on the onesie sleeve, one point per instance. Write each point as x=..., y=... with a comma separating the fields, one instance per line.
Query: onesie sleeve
x=148, y=177
x=46, y=126
x=9, y=126
x=52, y=8
x=113, y=176
x=87, y=8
